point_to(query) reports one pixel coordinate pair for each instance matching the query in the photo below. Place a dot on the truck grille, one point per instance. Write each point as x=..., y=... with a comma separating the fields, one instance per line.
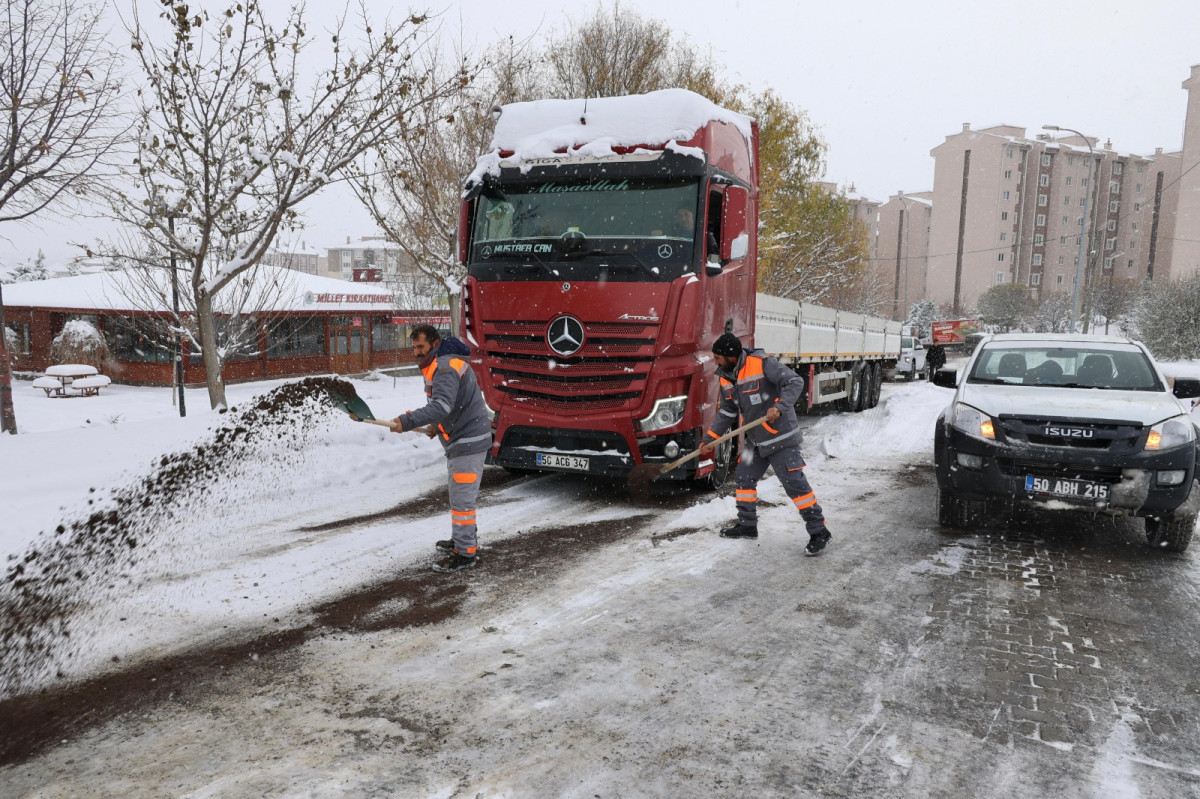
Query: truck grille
x=606, y=374
x=1019, y=467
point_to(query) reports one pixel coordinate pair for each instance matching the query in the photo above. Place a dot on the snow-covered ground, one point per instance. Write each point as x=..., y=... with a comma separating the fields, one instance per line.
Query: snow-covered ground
x=256, y=558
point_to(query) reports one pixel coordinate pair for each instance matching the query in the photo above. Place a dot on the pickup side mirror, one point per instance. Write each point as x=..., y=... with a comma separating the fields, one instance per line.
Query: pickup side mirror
x=1186, y=388
x=946, y=378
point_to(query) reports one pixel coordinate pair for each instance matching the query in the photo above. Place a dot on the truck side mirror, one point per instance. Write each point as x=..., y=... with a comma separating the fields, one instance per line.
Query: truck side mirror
x=464, y=229
x=1186, y=388
x=735, y=239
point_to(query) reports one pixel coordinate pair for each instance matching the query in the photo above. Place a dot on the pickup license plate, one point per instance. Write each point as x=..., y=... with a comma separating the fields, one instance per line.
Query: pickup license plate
x=555, y=461
x=1068, y=489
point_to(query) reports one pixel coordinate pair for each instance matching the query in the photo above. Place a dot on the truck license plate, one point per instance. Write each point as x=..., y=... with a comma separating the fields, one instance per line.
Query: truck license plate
x=553, y=460
x=1070, y=489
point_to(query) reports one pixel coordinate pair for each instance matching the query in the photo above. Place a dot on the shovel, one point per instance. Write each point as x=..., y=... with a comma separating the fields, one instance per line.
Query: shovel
x=642, y=475
x=346, y=399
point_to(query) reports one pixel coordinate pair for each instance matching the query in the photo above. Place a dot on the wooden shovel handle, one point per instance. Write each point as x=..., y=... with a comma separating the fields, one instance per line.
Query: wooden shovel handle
x=713, y=443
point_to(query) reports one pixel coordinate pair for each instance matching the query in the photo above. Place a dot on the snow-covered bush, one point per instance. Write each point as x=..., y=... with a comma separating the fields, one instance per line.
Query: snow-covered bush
x=1167, y=319
x=80, y=342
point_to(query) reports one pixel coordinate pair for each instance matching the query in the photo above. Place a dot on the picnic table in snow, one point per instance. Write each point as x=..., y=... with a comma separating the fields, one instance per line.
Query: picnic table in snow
x=71, y=380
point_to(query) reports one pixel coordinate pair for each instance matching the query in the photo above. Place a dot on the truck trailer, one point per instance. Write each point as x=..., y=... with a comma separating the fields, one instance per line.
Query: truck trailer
x=608, y=243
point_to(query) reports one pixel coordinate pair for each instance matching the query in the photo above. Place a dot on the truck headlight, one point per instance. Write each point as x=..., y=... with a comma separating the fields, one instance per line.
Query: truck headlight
x=972, y=421
x=1168, y=433
x=667, y=412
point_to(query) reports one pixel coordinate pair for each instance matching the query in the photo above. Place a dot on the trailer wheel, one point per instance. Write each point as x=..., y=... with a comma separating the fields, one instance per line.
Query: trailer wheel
x=876, y=384
x=722, y=463
x=859, y=387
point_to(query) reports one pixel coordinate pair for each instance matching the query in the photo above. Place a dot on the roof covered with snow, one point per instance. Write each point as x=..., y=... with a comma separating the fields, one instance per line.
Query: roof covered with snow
x=120, y=291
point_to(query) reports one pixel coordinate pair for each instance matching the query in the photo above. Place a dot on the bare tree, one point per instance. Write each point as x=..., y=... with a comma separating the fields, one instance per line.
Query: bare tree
x=412, y=183
x=58, y=90
x=232, y=139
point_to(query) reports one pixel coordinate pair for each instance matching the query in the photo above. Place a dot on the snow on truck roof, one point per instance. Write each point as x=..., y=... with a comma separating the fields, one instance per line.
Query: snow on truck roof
x=596, y=126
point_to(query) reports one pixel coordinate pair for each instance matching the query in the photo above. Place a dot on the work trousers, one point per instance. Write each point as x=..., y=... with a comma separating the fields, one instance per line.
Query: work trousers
x=465, y=472
x=789, y=468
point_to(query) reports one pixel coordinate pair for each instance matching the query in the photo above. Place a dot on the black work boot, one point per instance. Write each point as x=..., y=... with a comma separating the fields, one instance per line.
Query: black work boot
x=740, y=530
x=455, y=562
x=817, y=542
x=445, y=546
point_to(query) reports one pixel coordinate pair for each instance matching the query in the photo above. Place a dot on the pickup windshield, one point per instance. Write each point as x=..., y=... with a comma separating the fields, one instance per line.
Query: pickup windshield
x=1115, y=366
x=648, y=223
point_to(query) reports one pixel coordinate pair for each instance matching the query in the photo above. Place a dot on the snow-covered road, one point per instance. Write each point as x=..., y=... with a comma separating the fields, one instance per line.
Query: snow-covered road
x=603, y=647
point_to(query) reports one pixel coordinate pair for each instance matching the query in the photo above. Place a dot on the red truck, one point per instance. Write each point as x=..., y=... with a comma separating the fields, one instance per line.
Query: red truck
x=608, y=242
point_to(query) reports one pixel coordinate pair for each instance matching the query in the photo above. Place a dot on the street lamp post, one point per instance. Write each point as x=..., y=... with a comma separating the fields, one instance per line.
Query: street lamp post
x=178, y=348
x=1083, y=233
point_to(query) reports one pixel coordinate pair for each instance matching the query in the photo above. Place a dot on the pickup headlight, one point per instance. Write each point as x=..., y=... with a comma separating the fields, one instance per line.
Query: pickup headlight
x=972, y=421
x=667, y=412
x=1173, y=432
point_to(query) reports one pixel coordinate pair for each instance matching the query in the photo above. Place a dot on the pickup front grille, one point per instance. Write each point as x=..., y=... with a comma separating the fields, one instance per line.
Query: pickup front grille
x=1019, y=467
x=1118, y=437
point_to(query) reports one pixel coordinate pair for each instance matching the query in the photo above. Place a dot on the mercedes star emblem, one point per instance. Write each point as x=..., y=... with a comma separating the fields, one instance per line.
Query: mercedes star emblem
x=565, y=335
x=665, y=251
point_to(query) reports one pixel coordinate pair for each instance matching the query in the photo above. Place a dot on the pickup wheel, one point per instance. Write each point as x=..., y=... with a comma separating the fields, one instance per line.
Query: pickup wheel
x=955, y=513
x=1172, y=532
x=722, y=463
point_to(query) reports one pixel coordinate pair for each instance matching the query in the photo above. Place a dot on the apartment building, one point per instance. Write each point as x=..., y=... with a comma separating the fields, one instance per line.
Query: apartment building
x=302, y=259
x=900, y=253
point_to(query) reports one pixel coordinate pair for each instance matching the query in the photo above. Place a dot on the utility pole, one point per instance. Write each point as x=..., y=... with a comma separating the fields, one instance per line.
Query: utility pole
x=8, y=414
x=178, y=348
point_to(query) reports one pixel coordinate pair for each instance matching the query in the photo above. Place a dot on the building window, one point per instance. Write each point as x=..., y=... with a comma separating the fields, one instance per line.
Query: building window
x=1003, y=236
x=384, y=336
x=1070, y=161
x=1084, y=182
x=1038, y=239
x=1067, y=200
x=1118, y=167
x=1113, y=207
x=140, y=340
x=1066, y=220
x=1045, y=159
x=999, y=278
x=1044, y=180
x=1042, y=199
x=1035, y=280
x=1008, y=174
x=1059, y=280
x=1083, y=201
x=1108, y=261
x=1037, y=259
x=1068, y=180
x=1060, y=260
x=1110, y=244
x=1133, y=226
x=1062, y=240
x=1000, y=257
x=1009, y=153
x=1006, y=195
x=19, y=337
x=1111, y=225
x=1114, y=187
x=1130, y=264
x=1139, y=188
x=1133, y=244
x=1041, y=220
x=296, y=336
x=1137, y=206
x=1141, y=168
x=1004, y=216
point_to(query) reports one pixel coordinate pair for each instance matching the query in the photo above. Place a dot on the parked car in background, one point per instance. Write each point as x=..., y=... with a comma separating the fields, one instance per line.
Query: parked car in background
x=911, y=363
x=1070, y=422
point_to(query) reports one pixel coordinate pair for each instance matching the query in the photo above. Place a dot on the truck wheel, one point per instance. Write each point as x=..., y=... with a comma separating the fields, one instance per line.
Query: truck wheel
x=955, y=513
x=1172, y=532
x=722, y=463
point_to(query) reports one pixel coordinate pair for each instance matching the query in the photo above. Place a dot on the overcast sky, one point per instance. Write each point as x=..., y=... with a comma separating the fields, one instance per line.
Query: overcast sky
x=885, y=82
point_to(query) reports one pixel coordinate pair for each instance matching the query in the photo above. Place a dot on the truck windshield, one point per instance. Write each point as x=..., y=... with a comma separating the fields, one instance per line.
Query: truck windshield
x=1121, y=367
x=652, y=221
